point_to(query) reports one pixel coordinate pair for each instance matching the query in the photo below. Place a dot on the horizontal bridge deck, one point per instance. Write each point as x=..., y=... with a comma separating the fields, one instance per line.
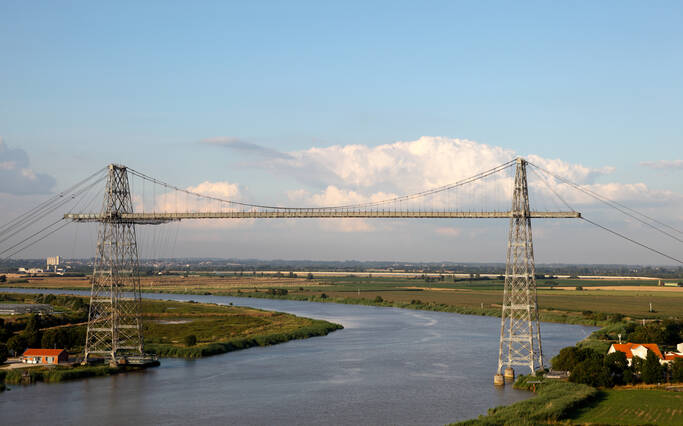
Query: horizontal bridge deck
x=313, y=213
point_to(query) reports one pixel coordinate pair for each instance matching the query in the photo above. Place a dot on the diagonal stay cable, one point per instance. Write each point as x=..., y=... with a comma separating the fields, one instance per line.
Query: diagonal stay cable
x=39, y=239
x=45, y=204
x=52, y=207
x=31, y=236
x=617, y=206
x=632, y=240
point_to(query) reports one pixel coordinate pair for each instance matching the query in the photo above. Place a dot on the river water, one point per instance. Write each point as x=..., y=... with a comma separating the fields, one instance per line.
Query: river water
x=388, y=366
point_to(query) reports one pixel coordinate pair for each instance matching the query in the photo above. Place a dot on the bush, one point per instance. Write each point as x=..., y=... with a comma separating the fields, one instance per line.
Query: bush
x=190, y=340
x=378, y=299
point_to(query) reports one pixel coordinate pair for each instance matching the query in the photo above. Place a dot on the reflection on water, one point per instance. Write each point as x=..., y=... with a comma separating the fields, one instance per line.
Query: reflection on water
x=388, y=366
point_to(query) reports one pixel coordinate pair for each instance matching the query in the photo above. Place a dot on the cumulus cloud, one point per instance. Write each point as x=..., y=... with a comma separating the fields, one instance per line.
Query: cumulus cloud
x=16, y=177
x=352, y=174
x=180, y=202
x=360, y=173
x=664, y=164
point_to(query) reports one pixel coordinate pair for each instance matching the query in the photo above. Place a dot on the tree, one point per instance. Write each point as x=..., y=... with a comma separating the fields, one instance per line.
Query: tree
x=17, y=344
x=33, y=324
x=677, y=370
x=571, y=356
x=652, y=371
x=190, y=340
x=566, y=359
x=616, y=363
x=3, y=278
x=4, y=353
x=591, y=372
x=650, y=333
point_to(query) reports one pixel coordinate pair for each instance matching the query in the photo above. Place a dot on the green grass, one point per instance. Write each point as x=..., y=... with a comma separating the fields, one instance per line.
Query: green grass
x=554, y=400
x=220, y=329
x=633, y=406
x=61, y=374
x=316, y=328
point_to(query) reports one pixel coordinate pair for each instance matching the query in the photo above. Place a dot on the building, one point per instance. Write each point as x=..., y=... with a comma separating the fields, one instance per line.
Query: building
x=671, y=356
x=44, y=356
x=24, y=308
x=53, y=264
x=638, y=350
x=31, y=271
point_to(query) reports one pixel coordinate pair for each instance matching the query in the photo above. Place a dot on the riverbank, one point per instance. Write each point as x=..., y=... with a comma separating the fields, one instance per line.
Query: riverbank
x=571, y=403
x=172, y=329
x=56, y=374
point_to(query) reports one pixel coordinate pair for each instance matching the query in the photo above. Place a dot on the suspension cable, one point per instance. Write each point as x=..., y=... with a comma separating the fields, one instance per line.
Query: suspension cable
x=476, y=177
x=631, y=240
x=615, y=205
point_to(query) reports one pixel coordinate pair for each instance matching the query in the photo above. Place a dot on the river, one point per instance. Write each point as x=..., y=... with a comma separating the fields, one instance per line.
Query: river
x=388, y=366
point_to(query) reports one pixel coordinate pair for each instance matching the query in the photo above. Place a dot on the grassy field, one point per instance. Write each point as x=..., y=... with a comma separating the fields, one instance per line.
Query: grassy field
x=631, y=298
x=638, y=406
x=571, y=403
x=220, y=329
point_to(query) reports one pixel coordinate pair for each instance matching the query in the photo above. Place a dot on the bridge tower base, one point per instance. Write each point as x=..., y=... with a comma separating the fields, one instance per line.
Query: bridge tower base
x=520, y=334
x=114, y=323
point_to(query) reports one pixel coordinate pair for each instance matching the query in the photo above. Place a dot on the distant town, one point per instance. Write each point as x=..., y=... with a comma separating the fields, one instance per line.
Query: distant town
x=58, y=265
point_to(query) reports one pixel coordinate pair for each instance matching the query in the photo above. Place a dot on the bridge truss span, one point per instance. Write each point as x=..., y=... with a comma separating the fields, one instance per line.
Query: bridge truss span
x=157, y=218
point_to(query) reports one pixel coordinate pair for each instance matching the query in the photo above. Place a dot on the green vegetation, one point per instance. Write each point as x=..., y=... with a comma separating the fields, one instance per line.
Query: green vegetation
x=47, y=331
x=553, y=402
x=597, y=368
x=54, y=374
x=632, y=406
x=316, y=328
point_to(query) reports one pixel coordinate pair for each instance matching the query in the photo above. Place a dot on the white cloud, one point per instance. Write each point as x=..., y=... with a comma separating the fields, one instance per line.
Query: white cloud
x=448, y=231
x=360, y=173
x=664, y=164
x=175, y=201
x=15, y=175
x=354, y=174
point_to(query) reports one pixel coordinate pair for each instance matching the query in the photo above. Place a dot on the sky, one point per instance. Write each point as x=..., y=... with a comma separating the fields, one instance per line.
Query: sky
x=313, y=102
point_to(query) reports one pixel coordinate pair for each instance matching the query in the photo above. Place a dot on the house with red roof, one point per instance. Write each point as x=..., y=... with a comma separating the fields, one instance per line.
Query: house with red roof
x=44, y=356
x=670, y=356
x=638, y=350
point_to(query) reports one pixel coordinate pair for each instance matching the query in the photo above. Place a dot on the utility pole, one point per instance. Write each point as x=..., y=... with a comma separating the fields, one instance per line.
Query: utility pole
x=520, y=334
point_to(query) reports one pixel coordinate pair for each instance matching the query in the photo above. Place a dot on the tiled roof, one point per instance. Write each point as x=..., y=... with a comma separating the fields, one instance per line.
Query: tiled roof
x=43, y=352
x=628, y=347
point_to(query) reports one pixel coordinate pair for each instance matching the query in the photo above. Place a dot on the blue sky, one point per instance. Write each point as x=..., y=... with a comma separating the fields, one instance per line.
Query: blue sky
x=596, y=84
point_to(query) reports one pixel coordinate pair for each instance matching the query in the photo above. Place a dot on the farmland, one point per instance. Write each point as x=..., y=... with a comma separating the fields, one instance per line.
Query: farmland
x=563, y=300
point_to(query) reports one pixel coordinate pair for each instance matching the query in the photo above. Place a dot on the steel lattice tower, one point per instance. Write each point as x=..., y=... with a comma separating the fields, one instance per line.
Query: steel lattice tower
x=114, y=322
x=520, y=334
